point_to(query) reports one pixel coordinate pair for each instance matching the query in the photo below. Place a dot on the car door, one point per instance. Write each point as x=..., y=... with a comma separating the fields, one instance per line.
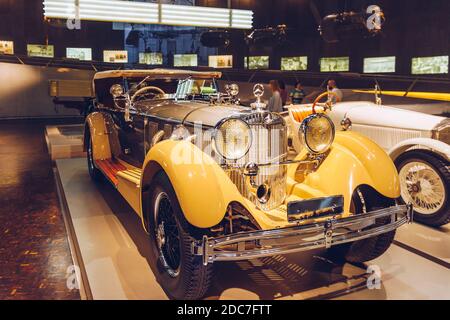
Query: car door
x=131, y=136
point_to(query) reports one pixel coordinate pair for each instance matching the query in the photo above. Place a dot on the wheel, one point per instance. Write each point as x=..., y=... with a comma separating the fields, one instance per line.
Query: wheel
x=181, y=274
x=366, y=249
x=95, y=173
x=424, y=180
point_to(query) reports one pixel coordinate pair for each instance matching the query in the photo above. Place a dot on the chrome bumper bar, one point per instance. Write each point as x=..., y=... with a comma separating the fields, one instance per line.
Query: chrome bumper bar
x=265, y=243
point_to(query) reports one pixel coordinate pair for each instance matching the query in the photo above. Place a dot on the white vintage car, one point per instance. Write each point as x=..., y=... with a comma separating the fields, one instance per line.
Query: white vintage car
x=418, y=143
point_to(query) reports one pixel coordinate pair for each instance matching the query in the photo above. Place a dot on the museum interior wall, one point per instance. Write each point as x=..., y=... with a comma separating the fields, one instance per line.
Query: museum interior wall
x=415, y=22
x=32, y=82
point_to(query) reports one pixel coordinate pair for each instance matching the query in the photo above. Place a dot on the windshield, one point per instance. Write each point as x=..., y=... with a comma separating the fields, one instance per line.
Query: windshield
x=189, y=88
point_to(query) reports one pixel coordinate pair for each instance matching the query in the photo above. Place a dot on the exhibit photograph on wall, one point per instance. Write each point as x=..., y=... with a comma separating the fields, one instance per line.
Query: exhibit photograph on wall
x=294, y=63
x=430, y=65
x=151, y=58
x=335, y=64
x=79, y=53
x=256, y=62
x=115, y=56
x=379, y=65
x=185, y=60
x=225, y=61
x=40, y=50
x=6, y=47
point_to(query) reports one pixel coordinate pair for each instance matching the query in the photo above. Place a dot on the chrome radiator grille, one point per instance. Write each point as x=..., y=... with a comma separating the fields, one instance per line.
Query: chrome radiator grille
x=389, y=137
x=269, y=145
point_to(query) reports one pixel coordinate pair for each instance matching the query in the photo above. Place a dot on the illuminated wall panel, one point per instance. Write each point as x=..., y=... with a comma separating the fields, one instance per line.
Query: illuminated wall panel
x=379, y=65
x=40, y=50
x=84, y=54
x=335, y=64
x=429, y=65
x=115, y=56
x=6, y=47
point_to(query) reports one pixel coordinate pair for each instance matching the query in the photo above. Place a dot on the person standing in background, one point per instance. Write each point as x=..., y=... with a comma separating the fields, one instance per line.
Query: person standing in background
x=275, y=102
x=332, y=86
x=283, y=92
x=297, y=94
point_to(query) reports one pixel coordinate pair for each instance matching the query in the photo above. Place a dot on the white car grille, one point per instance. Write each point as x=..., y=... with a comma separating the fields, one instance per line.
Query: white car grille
x=389, y=137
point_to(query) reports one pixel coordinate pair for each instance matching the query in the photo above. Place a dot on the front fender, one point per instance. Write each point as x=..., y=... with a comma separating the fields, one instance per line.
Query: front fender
x=354, y=160
x=203, y=189
x=435, y=146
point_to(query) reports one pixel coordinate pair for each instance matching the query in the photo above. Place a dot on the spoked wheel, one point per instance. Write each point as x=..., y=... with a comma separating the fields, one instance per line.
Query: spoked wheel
x=180, y=273
x=424, y=181
x=94, y=173
x=366, y=249
x=167, y=236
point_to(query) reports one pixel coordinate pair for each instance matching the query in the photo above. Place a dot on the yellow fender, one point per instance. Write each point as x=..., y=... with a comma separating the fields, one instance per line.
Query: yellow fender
x=353, y=160
x=203, y=189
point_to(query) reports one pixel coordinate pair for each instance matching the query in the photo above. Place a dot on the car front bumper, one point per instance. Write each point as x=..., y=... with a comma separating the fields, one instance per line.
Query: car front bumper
x=332, y=232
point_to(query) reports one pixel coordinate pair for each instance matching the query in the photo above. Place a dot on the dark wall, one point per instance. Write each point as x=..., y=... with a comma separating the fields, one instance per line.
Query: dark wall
x=413, y=28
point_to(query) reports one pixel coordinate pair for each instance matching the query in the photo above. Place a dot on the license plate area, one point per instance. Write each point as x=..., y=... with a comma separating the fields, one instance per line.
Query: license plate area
x=298, y=211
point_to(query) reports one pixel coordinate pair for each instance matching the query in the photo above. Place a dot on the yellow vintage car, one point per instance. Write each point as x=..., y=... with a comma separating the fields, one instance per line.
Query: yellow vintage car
x=214, y=181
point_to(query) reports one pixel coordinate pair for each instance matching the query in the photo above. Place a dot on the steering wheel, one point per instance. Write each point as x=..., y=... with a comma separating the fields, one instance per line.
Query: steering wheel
x=143, y=92
x=327, y=104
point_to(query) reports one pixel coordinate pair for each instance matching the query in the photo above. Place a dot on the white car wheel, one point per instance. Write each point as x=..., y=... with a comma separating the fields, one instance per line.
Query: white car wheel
x=422, y=186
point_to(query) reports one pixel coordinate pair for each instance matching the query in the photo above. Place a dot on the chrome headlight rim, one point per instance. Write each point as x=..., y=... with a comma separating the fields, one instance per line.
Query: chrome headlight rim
x=217, y=130
x=439, y=129
x=303, y=132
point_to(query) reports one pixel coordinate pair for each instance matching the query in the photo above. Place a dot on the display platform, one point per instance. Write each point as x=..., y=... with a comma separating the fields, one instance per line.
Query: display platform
x=114, y=252
x=65, y=141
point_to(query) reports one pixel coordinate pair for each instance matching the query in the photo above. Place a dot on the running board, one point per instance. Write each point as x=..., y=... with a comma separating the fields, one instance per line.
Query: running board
x=110, y=168
x=127, y=181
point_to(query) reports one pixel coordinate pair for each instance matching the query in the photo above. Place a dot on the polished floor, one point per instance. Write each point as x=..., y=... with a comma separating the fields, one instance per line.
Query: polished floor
x=115, y=252
x=34, y=250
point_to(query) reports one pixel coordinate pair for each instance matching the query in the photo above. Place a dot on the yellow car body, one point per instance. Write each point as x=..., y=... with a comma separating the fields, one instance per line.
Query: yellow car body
x=205, y=191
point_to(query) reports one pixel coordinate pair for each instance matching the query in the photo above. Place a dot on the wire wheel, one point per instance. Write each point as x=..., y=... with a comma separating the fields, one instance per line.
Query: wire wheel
x=167, y=235
x=422, y=186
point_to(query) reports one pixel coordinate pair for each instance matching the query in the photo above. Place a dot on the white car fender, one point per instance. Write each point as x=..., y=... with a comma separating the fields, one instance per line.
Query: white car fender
x=435, y=146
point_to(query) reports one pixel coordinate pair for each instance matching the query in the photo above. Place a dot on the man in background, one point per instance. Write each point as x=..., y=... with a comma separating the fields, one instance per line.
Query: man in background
x=332, y=86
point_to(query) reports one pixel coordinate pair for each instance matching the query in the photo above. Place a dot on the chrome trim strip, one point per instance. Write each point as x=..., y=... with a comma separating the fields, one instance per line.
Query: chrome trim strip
x=328, y=233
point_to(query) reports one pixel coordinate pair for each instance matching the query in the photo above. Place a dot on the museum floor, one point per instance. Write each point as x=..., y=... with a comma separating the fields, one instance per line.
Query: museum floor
x=106, y=239
x=34, y=250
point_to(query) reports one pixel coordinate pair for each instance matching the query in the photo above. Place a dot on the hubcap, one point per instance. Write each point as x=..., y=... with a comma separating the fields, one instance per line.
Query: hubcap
x=422, y=186
x=167, y=236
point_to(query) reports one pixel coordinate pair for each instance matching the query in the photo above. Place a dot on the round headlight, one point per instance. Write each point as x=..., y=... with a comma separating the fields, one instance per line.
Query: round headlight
x=116, y=90
x=233, y=139
x=317, y=133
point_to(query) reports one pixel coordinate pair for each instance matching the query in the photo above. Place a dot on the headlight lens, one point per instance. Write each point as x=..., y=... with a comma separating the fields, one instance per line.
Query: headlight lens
x=233, y=139
x=317, y=133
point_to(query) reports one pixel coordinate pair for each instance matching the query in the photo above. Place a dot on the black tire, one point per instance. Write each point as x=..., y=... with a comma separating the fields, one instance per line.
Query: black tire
x=441, y=167
x=190, y=280
x=94, y=173
x=363, y=250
